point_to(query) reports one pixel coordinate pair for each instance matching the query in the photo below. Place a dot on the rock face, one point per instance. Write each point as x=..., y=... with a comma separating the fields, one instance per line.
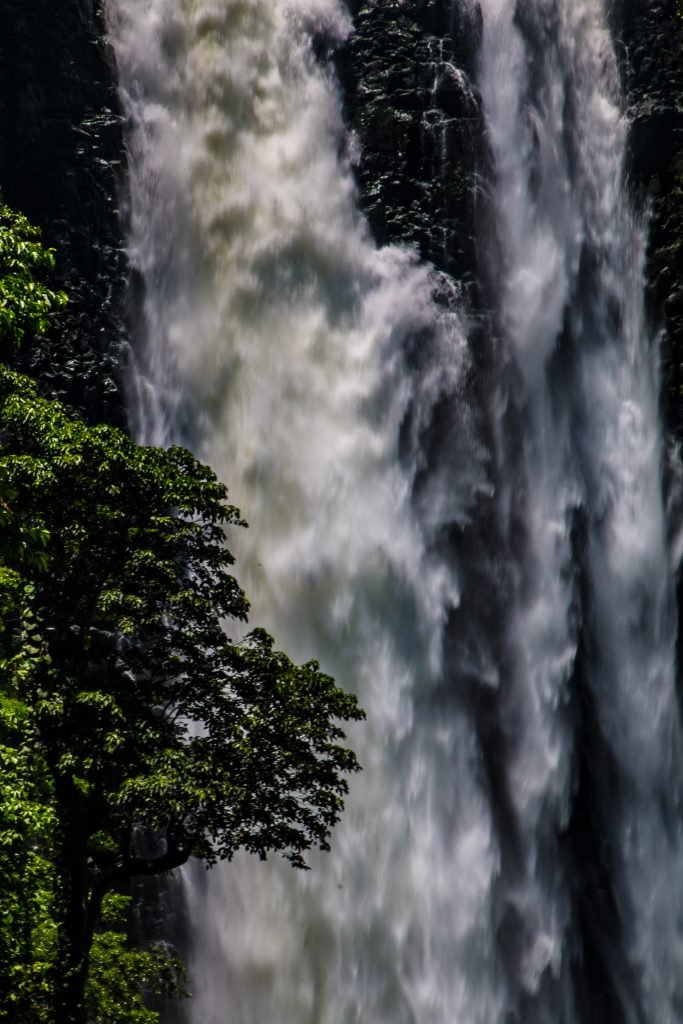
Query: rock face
x=652, y=32
x=62, y=163
x=406, y=72
x=417, y=119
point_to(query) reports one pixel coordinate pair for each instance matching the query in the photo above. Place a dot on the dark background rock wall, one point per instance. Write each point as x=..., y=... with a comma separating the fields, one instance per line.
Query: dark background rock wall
x=407, y=74
x=652, y=34
x=409, y=99
x=62, y=164
x=652, y=59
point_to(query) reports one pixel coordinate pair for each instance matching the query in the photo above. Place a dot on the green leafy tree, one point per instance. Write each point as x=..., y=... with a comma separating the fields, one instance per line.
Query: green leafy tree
x=162, y=736
x=26, y=301
x=27, y=877
x=120, y=976
x=27, y=818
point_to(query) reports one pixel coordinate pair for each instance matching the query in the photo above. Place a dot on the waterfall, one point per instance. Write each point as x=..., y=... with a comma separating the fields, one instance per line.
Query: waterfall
x=593, y=623
x=487, y=567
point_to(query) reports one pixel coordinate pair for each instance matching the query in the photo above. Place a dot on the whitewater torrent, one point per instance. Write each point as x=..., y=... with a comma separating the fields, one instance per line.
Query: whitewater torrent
x=512, y=850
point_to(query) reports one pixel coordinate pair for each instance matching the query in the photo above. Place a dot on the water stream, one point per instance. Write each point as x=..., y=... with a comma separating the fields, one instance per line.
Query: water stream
x=493, y=579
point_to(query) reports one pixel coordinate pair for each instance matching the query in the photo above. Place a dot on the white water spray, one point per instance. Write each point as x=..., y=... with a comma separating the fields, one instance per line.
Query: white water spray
x=275, y=340
x=570, y=308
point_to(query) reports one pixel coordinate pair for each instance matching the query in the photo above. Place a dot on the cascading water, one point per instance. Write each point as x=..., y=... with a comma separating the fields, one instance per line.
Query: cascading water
x=592, y=627
x=512, y=850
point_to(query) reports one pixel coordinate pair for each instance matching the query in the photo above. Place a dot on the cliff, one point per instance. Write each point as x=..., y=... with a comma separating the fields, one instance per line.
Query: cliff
x=652, y=32
x=62, y=163
x=406, y=73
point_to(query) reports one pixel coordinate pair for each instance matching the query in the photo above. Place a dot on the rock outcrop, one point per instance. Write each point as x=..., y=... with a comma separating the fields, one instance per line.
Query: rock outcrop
x=62, y=164
x=417, y=118
x=652, y=33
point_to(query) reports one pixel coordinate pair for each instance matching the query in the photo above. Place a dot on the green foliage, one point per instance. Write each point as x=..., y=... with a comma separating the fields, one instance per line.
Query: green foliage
x=129, y=649
x=134, y=732
x=27, y=876
x=160, y=736
x=121, y=977
x=25, y=301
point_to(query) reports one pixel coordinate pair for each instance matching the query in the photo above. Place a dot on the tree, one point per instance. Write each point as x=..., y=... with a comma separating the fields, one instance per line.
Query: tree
x=27, y=820
x=27, y=879
x=163, y=737
x=120, y=976
x=26, y=302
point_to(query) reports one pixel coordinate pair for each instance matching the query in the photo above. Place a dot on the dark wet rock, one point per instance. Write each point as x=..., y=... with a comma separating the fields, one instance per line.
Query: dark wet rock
x=62, y=163
x=407, y=77
x=652, y=34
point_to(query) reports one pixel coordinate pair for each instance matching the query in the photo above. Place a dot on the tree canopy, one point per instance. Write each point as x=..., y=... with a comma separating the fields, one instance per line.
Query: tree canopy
x=26, y=301
x=163, y=737
x=147, y=712
x=138, y=728
x=27, y=875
